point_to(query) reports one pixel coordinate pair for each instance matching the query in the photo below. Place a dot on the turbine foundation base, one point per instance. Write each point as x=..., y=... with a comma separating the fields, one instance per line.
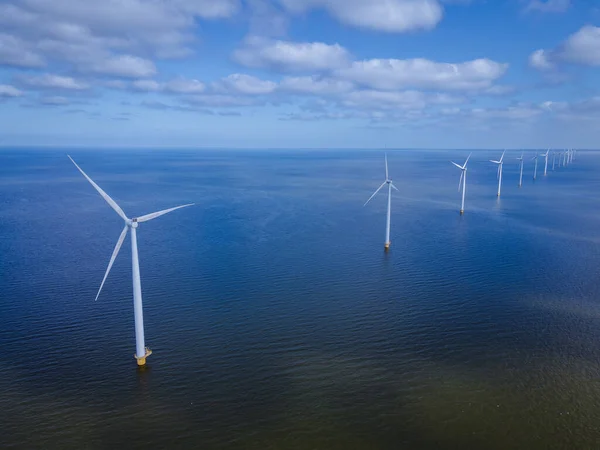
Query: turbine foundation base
x=141, y=360
x=462, y=211
x=387, y=245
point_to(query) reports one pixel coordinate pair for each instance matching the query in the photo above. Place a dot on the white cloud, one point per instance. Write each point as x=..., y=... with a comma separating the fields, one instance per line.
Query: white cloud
x=54, y=101
x=111, y=37
x=215, y=100
x=290, y=56
x=517, y=112
x=126, y=66
x=51, y=81
x=394, y=16
x=315, y=85
x=244, y=84
x=394, y=74
x=15, y=52
x=7, y=90
x=384, y=100
x=175, y=86
x=582, y=47
x=185, y=86
x=146, y=85
x=548, y=6
x=539, y=60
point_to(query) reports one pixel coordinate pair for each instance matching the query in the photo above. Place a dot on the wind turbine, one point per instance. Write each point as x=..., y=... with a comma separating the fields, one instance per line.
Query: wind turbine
x=565, y=157
x=545, y=155
x=141, y=351
x=387, y=181
x=560, y=159
x=553, y=160
x=500, y=164
x=535, y=158
x=521, y=174
x=463, y=181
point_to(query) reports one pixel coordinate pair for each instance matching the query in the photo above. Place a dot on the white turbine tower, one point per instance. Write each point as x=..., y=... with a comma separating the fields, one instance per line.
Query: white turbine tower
x=565, y=157
x=141, y=351
x=387, y=181
x=535, y=158
x=553, y=160
x=545, y=155
x=521, y=171
x=463, y=181
x=500, y=164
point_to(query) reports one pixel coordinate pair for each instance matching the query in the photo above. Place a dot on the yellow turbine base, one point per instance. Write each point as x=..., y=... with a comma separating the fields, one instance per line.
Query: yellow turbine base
x=462, y=211
x=141, y=360
x=387, y=245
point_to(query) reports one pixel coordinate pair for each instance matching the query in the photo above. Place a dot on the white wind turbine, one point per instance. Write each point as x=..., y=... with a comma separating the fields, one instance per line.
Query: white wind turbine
x=141, y=351
x=545, y=155
x=565, y=160
x=560, y=159
x=535, y=158
x=500, y=164
x=553, y=160
x=521, y=173
x=463, y=181
x=387, y=181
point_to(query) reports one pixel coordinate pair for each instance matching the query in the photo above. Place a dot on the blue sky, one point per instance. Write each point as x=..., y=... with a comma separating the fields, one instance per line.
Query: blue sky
x=300, y=73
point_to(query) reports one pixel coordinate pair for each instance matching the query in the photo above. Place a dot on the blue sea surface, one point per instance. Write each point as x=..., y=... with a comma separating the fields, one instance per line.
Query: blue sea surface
x=277, y=320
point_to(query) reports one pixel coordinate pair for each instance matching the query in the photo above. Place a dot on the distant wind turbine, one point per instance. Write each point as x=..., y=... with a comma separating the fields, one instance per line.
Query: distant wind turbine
x=521, y=172
x=463, y=181
x=535, y=158
x=545, y=155
x=500, y=164
x=565, y=157
x=387, y=181
x=553, y=160
x=141, y=351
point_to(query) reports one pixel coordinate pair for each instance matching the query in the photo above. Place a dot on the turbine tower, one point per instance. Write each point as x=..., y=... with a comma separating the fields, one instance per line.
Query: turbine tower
x=535, y=158
x=545, y=155
x=553, y=160
x=500, y=164
x=387, y=181
x=141, y=351
x=521, y=172
x=463, y=181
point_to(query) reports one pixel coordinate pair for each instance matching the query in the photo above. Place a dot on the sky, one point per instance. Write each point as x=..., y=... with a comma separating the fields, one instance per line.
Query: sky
x=472, y=74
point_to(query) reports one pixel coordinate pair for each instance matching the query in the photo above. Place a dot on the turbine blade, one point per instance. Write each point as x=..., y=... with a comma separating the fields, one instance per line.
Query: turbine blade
x=392, y=184
x=460, y=167
x=112, y=258
x=154, y=215
x=104, y=195
x=375, y=193
x=386, y=168
x=468, y=157
x=495, y=162
x=502, y=157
